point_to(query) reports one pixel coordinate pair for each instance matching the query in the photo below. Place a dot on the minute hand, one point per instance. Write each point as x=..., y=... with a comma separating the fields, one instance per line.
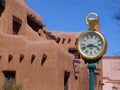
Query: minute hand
x=91, y=46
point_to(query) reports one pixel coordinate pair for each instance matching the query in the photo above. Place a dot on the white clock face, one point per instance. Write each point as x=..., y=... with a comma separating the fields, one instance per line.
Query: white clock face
x=91, y=44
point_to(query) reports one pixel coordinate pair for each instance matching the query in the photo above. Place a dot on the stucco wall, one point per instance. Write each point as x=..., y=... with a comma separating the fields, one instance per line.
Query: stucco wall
x=111, y=72
x=24, y=53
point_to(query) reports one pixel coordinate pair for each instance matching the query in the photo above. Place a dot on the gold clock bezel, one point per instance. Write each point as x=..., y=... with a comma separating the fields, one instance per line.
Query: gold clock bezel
x=97, y=56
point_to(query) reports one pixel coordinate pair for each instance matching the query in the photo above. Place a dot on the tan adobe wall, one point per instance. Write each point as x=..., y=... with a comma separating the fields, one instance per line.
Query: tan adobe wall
x=111, y=72
x=36, y=74
x=39, y=60
x=15, y=9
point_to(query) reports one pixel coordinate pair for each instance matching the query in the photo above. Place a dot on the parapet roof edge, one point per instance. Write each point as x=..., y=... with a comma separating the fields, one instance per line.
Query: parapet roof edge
x=111, y=57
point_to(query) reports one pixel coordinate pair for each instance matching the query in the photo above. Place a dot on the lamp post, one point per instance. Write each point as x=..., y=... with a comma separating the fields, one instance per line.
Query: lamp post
x=91, y=46
x=91, y=67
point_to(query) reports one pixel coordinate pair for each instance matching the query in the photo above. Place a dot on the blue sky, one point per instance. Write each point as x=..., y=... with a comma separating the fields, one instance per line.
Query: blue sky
x=68, y=16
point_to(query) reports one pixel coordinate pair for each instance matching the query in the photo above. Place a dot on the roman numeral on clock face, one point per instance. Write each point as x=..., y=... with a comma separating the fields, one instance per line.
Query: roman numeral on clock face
x=91, y=44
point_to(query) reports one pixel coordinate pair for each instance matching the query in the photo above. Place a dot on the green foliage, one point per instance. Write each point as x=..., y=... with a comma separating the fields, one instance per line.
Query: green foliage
x=12, y=86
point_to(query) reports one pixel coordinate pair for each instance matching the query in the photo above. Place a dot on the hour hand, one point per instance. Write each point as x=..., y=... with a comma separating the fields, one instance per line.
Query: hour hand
x=91, y=46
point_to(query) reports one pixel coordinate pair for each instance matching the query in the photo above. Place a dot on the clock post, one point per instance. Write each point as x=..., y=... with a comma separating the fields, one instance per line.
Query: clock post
x=91, y=46
x=91, y=67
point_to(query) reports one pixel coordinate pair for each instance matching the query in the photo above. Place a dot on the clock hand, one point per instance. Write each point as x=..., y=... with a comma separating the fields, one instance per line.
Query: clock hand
x=97, y=48
x=91, y=46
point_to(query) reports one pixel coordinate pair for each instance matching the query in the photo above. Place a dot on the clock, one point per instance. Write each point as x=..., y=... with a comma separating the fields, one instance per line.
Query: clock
x=91, y=45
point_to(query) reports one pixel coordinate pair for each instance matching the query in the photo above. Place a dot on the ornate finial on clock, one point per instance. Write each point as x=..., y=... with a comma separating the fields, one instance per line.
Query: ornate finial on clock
x=91, y=46
x=92, y=19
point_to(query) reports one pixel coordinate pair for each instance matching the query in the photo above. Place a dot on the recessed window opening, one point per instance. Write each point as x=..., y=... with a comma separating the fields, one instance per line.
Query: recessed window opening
x=69, y=40
x=74, y=52
x=2, y=6
x=114, y=88
x=9, y=77
x=76, y=41
x=58, y=39
x=66, y=79
x=16, y=25
x=63, y=40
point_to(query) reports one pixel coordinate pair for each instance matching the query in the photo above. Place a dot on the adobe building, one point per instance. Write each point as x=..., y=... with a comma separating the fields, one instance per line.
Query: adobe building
x=111, y=73
x=37, y=58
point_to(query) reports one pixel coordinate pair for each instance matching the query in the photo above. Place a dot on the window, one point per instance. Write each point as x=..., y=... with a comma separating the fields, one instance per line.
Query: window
x=2, y=6
x=66, y=78
x=58, y=39
x=63, y=40
x=74, y=52
x=76, y=41
x=16, y=25
x=9, y=79
x=69, y=40
x=114, y=88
